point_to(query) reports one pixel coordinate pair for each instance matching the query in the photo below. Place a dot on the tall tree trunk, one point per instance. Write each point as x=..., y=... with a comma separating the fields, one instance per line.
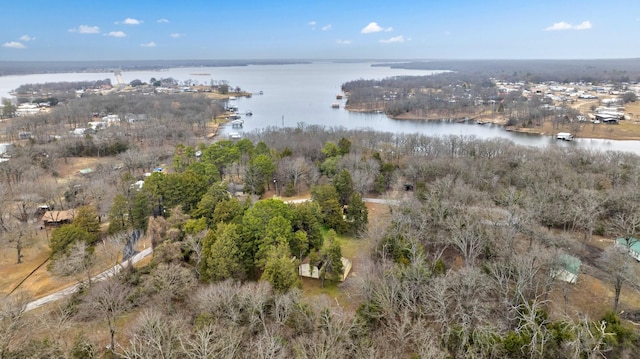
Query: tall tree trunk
x=616, y=299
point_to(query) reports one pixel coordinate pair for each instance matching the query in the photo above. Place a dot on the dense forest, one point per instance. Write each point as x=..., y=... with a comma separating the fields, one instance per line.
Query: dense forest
x=563, y=71
x=38, y=67
x=58, y=87
x=461, y=260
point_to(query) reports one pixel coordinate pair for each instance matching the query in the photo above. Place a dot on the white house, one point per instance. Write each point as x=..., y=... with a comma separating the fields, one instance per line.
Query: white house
x=27, y=109
x=111, y=118
x=97, y=125
x=80, y=131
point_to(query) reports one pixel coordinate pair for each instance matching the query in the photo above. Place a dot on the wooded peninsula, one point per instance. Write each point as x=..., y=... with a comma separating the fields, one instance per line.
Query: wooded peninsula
x=543, y=97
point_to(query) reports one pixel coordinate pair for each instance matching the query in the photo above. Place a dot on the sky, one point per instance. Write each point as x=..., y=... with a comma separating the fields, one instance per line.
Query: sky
x=318, y=29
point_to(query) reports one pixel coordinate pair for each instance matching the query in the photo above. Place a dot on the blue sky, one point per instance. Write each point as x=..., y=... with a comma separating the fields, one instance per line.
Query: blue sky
x=314, y=29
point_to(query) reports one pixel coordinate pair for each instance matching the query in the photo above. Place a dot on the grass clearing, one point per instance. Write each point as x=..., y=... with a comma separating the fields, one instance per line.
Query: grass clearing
x=358, y=250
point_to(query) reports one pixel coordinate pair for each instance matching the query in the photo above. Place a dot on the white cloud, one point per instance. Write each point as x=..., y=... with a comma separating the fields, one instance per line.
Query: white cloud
x=312, y=23
x=148, y=44
x=585, y=25
x=117, y=34
x=176, y=35
x=163, y=21
x=398, y=39
x=131, y=21
x=374, y=27
x=559, y=26
x=343, y=42
x=326, y=27
x=562, y=25
x=14, y=45
x=86, y=29
x=27, y=38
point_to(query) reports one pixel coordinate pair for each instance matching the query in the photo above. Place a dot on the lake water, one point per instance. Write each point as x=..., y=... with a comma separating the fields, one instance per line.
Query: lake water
x=294, y=94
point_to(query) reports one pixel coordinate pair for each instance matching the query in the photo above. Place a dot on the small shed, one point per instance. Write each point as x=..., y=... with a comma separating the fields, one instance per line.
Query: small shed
x=85, y=171
x=58, y=218
x=633, y=244
x=567, y=268
x=305, y=269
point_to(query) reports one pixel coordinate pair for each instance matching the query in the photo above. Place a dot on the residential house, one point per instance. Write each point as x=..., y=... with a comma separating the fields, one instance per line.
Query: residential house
x=58, y=218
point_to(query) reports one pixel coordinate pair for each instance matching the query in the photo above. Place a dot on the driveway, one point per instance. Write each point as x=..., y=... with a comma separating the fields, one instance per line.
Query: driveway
x=98, y=277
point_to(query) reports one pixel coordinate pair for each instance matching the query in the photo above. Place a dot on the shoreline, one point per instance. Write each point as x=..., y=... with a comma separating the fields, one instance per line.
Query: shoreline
x=626, y=130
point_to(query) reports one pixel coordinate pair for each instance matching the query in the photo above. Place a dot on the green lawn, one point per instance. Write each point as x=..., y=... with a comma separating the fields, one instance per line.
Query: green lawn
x=333, y=290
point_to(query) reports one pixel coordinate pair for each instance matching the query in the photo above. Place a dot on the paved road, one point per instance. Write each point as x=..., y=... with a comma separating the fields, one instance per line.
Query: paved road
x=382, y=201
x=74, y=288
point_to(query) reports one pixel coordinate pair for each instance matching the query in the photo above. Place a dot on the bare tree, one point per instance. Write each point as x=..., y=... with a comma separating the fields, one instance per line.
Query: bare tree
x=298, y=171
x=468, y=237
x=219, y=300
x=109, y=299
x=531, y=322
x=18, y=237
x=213, y=341
x=363, y=171
x=171, y=282
x=154, y=336
x=588, y=205
x=331, y=340
x=25, y=207
x=268, y=346
x=11, y=322
x=57, y=322
x=616, y=262
x=194, y=244
x=78, y=260
x=626, y=223
x=517, y=278
x=4, y=213
x=589, y=339
x=284, y=306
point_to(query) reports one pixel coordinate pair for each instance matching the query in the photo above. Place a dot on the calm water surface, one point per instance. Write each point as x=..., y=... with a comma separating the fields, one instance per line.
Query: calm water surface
x=294, y=94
